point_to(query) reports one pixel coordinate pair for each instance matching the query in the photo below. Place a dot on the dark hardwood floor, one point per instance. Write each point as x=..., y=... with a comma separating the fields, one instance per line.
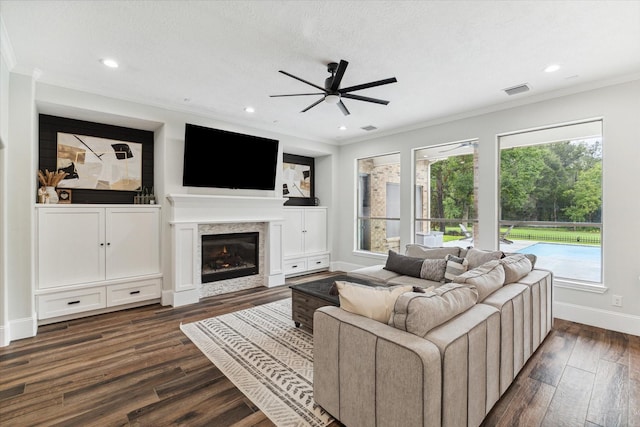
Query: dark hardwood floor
x=136, y=368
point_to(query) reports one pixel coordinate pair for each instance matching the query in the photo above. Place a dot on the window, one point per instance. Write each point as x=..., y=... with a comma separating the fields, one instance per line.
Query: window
x=551, y=198
x=446, y=194
x=378, y=212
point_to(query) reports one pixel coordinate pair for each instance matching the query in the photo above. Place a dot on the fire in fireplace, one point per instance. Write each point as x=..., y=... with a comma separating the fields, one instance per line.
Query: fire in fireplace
x=228, y=256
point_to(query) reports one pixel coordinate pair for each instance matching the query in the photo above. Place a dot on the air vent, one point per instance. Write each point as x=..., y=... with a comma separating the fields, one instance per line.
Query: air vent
x=369, y=128
x=516, y=89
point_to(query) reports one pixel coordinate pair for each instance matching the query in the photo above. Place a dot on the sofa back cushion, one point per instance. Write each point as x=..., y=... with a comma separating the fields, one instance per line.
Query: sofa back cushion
x=425, y=252
x=374, y=302
x=515, y=267
x=487, y=278
x=477, y=257
x=418, y=313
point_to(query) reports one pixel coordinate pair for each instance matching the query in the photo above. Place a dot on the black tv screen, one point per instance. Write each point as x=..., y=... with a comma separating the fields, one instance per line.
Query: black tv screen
x=223, y=159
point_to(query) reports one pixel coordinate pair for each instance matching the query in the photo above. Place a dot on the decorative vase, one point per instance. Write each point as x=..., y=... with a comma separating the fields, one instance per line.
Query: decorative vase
x=53, y=196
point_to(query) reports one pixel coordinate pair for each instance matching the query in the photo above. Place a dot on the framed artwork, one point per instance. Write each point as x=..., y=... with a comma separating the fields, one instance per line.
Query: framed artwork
x=105, y=163
x=99, y=163
x=64, y=195
x=298, y=180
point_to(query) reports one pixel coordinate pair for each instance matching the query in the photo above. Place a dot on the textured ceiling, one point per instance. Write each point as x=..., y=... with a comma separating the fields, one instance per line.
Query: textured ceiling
x=216, y=57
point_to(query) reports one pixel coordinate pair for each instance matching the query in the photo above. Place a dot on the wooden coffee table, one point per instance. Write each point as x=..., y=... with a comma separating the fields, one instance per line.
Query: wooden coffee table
x=308, y=297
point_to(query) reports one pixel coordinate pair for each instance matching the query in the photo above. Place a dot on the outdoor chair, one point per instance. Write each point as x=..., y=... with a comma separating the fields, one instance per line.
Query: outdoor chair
x=467, y=234
x=503, y=236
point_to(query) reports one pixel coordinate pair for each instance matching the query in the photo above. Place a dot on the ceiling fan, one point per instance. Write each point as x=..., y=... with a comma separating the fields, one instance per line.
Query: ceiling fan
x=333, y=94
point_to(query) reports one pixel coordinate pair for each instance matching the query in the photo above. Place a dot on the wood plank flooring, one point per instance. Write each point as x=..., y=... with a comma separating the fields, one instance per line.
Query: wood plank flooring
x=136, y=368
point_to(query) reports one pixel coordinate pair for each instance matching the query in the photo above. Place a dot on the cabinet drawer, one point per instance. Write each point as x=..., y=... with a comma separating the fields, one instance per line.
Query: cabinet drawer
x=295, y=265
x=126, y=293
x=320, y=261
x=71, y=302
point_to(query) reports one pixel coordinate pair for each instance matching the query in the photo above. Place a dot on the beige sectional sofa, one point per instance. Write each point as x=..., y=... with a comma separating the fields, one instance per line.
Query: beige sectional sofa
x=410, y=372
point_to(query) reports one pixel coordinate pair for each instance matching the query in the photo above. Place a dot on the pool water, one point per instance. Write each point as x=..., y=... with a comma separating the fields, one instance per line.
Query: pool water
x=583, y=253
x=573, y=262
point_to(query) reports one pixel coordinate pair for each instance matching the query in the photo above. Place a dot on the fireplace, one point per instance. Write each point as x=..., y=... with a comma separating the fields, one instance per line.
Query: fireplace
x=227, y=256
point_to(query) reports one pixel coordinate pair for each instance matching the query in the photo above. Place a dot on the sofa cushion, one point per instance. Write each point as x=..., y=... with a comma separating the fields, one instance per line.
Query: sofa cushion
x=375, y=273
x=487, y=278
x=531, y=257
x=402, y=264
x=374, y=302
x=413, y=281
x=515, y=267
x=426, y=252
x=477, y=257
x=433, y=269
x=455, y=267
x=418, y=313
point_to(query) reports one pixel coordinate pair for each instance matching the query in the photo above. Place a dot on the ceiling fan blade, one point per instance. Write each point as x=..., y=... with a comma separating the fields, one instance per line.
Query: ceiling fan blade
x=303, y=81
x=364, y=98
x=368, y=85
x=335, y=84
x=297, y=94
x=312, y=105
x=343, y=108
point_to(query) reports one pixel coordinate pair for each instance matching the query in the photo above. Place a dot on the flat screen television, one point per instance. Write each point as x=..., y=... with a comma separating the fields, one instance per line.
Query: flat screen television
x=222, y=159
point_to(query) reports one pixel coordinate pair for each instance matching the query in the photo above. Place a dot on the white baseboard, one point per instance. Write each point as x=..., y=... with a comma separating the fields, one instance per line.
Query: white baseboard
x=620, y=322
x=275, y=280
x=18, y=329
x=178, y=299
x=344, y=266
x=4, y=336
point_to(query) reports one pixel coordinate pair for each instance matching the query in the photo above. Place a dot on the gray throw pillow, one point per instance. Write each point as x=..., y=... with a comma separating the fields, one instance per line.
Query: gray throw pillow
x=433, y=269
x=401, y=264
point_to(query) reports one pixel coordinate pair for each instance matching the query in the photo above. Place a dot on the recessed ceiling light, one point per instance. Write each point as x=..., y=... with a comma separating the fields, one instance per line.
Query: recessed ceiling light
x=343, y=127
x=249, y=109
x=111, y=63
x=551, y=68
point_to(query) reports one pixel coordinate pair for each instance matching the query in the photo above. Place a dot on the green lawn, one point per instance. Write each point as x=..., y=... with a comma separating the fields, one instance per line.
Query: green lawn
x=552, y=235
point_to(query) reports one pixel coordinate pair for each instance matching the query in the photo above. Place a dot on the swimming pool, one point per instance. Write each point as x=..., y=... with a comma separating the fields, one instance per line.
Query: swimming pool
x=575, y=262
x=584, y=253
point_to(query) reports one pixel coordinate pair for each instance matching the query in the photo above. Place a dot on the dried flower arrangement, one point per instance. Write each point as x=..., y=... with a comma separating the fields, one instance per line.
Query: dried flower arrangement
x=50, y=179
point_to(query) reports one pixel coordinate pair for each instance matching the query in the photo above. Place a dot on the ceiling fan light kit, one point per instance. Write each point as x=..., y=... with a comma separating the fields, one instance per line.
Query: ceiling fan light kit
x=333, y=94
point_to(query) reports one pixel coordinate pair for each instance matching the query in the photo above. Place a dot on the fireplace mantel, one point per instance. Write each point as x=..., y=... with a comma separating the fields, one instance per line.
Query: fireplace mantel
x=188, y=211
x=206, y=209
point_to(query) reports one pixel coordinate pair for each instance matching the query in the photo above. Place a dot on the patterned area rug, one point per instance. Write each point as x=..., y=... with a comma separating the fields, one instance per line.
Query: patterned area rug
x=267, y=358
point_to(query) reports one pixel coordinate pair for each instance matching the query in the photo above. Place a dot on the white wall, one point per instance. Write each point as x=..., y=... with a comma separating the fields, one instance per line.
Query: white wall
x=617, y=105
x=4, y=136
x=28, y=99
x=335, y=173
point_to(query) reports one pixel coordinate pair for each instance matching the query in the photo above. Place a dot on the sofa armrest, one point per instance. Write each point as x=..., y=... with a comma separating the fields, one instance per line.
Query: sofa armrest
x=367, y=373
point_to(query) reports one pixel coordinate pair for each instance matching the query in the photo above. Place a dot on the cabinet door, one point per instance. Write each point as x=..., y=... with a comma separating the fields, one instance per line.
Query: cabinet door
x=292, y=232
x=315, y=230
x=133, y=242
x=70, y=246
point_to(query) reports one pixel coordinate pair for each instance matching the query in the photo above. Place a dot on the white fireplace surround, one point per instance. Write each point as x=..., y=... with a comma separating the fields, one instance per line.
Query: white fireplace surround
x=188, y=211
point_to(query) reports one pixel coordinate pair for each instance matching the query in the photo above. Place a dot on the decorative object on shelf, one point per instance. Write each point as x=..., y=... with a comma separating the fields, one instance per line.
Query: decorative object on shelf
x=143, y=197
x=51, y=196
x=298, y=180
x=99, y=163
x=64, y=195
x=49, y=180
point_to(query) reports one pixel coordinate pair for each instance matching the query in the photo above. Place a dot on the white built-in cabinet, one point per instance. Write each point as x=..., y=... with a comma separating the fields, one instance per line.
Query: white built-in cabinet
x=91, y=257
x=304, y=240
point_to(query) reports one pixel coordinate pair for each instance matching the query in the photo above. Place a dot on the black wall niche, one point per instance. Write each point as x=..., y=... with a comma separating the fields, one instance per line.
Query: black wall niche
x=49, y=126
